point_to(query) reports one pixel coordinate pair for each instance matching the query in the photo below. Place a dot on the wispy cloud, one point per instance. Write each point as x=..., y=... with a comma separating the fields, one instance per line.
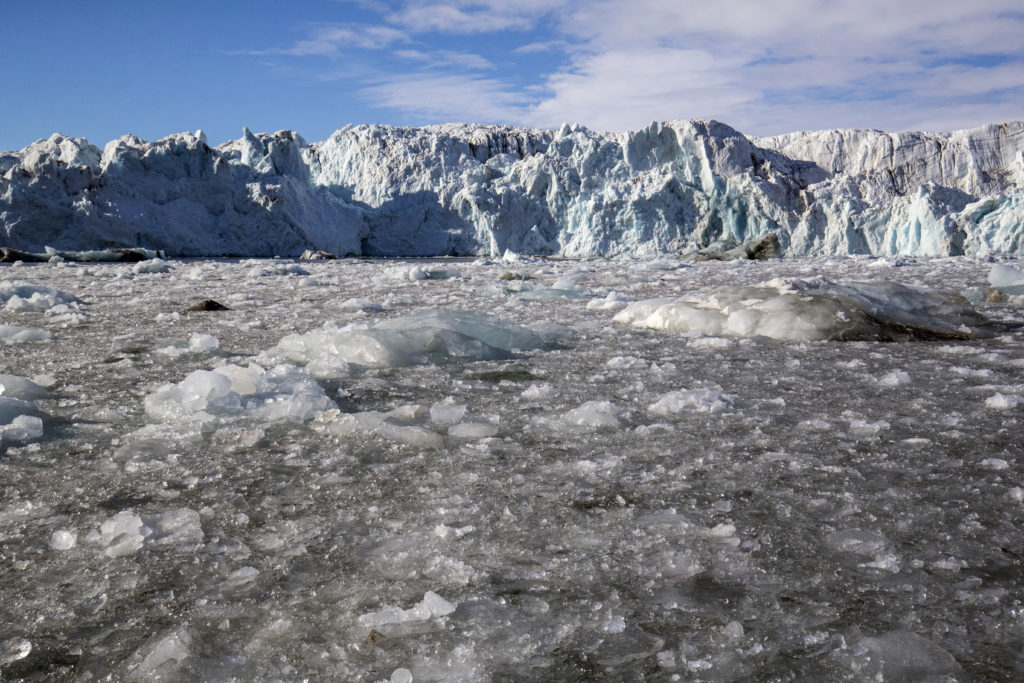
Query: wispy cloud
x=471, y=16
x=441, y=58
x=330, y=39
x=436, y=98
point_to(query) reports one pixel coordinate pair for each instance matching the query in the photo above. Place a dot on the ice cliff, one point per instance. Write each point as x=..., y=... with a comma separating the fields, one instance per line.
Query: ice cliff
x=469, y=190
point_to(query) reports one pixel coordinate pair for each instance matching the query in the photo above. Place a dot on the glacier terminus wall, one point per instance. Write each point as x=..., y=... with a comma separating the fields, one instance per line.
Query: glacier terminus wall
x=463, y=190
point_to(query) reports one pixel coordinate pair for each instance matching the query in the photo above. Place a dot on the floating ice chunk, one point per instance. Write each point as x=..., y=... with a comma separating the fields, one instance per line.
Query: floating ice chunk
x=595, y=415
x=429, y=336
x=197, y=343
x=560, y=289
x=695, y=400
x=660, y=265
x=997, y=464
x=270, y=268
x=20, y=421
x=364, y=305
x=863, y=428
x=398, y=425
x=17, y=334
x=163, y=655
x=896, y=378
x=447, y=413
x=14, y=650
x=538, y=392
x=999, y=401
x=240, y=577
x=615, y=624
x=432, y=605
x=401, y=675
x=13, y=386
x=24, y=297
x=122, y=534
x=613, y=302
x=127, y=532
x=127, y=255
x=1002, y=276
x=473, y=430
x=625, y=362
x=860, y=541
x=814, y=309
x=63, y=539
x=231, y=392
x=151, y=266
x=174, y=528
x=203, y=342
x=414, y=274
x=905, y=656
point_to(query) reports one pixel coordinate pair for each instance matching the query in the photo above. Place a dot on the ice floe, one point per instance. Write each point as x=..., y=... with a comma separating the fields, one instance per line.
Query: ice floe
x=812, y=310
x=231, y=393
x=429, y=336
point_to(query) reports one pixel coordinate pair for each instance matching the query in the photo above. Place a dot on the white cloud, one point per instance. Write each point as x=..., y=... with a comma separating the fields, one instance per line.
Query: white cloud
x=328, y=40
x=773, y=67
x=764, y=67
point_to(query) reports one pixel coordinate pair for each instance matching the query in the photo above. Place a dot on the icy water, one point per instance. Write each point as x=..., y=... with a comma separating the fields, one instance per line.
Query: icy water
x=613, y=503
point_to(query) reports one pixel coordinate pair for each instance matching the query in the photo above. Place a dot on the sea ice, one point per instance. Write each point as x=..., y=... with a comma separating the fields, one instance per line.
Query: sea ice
x=21, y=388
x=154, y=265
x=1002, y=276
x=695, y=400
x=431, y=606
x=24, y=297
x=231, y=392
x=18, y=334
x=429, y=336
x=596, y=415
x=812, y=310
x=20, y=421
x=905, y=656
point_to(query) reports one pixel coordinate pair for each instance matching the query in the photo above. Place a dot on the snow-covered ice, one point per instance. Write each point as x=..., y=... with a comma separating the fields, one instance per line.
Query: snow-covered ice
x=351, y=474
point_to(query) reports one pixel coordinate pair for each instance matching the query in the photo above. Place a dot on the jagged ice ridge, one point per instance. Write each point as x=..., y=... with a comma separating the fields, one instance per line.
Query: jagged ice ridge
x=481, y=190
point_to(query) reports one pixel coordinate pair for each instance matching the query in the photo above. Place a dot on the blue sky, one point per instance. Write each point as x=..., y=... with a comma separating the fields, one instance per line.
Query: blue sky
x=103, y=68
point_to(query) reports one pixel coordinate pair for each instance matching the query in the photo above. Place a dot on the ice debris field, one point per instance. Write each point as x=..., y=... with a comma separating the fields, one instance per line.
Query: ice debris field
x=515, y=468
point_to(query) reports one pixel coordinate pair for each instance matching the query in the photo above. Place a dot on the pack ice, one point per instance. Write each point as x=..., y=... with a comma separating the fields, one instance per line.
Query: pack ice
x=461, y=189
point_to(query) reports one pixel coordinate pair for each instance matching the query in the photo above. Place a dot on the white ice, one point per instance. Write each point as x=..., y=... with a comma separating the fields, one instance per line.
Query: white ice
x=812, y=310
x=231, y=393
x=429, y=336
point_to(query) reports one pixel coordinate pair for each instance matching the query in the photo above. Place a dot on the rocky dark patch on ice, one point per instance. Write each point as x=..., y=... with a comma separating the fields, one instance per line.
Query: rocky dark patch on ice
x=206, y=305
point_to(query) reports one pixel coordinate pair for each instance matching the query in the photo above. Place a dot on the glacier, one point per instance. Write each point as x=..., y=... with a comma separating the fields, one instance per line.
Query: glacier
x=461, y=190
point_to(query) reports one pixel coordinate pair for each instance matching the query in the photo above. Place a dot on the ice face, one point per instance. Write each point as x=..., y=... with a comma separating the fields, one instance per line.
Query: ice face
x=812, y=310
x=672, y=187
x=619, y=502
